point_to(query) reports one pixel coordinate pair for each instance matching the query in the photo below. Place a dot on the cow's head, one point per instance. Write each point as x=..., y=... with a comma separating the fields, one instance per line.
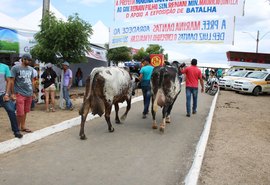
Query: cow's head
x=133, y=76
x=178, y=66
x=134, y=83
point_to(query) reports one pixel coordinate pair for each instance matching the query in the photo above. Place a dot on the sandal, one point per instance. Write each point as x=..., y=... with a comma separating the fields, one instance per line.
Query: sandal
x=26, y=130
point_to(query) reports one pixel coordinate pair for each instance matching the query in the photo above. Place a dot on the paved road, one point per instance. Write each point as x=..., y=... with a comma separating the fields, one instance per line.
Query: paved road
x=133, y=155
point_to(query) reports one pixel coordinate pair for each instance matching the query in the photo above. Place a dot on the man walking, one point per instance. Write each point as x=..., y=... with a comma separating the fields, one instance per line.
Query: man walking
x=193, y=74
x=5, y=92
x=23, y=81
x=145, y=77
x=67, y=85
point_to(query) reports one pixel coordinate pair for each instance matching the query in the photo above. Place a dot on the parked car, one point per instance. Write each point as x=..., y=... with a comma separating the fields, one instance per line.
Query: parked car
x=243, y=68
x=226, y=82
x=255, y=83
x=133, y=66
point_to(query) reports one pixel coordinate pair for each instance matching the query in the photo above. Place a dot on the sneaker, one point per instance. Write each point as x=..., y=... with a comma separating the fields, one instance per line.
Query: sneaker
x=188, y=115
x=18, y=135
x=70, y=108
x=144, y=116
x=194, y=112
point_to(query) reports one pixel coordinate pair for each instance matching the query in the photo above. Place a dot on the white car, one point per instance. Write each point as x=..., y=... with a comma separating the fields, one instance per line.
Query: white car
x=226, y=82
x=255, y=83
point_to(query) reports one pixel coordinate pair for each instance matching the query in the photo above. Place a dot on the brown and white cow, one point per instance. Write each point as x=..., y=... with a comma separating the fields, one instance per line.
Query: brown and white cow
x=165, y=86
x=105, y=87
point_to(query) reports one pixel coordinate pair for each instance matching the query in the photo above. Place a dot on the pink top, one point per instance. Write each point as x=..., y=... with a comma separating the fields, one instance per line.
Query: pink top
x=193, y=73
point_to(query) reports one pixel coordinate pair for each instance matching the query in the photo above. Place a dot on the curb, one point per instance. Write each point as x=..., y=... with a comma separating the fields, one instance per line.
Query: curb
x=15, y=143
x=194, y=172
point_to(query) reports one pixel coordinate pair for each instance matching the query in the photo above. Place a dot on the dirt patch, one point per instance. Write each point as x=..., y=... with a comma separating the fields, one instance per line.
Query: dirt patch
x=238, y=149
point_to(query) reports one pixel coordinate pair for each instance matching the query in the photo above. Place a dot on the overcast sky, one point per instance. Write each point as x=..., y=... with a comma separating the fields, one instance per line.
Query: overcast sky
x=257, y=17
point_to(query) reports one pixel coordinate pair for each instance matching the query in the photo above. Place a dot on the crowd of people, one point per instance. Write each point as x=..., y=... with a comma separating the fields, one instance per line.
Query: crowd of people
x=17, y=85
x=18, y=91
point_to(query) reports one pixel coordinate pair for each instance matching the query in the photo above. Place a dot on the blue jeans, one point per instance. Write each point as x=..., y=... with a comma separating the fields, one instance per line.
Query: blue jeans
x=9, y=106
x=146, y=90
x=194, y=92
x=66, y=97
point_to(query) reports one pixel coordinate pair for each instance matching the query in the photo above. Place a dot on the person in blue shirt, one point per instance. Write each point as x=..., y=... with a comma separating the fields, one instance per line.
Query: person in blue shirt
x=144, y=78
x=5, y=98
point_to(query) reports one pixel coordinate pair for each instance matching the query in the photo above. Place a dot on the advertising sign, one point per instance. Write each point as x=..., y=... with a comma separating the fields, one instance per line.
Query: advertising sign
x=212, y=31
x=157, y=60
x=16, y=41
x=9, y=41
x=134, y=9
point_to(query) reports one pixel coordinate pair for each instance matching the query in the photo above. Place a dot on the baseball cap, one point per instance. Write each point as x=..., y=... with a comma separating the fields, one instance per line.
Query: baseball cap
x=65, y=63
x=49, y=65
x=27, y=57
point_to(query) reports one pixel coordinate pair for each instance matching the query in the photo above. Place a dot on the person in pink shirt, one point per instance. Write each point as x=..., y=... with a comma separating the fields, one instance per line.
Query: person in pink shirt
x=193, y=75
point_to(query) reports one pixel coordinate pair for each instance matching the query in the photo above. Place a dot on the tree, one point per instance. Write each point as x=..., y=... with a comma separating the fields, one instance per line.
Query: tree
x=68, y=39
x=117, y=55
x=152, y=49
x=140, y=54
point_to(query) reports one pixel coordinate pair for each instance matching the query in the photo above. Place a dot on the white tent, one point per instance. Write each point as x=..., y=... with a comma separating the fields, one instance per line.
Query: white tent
x=9, y=22
x=32, y=20
x=100, y=34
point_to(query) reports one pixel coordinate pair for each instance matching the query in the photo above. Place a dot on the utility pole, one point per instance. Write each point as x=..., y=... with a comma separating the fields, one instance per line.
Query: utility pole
x=257, y=41
x=46, y=7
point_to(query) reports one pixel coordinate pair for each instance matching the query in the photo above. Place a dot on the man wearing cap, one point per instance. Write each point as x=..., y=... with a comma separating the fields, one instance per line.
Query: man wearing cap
x=145, y=77
x=5, y=101
x=193, y=74
x=23, y=81
x=67, y=85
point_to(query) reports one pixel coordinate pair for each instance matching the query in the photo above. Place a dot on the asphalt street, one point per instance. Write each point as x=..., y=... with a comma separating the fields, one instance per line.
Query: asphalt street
x=133, y=154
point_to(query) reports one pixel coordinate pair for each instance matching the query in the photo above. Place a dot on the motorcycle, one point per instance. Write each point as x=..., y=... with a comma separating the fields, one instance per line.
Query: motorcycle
x=211, y=86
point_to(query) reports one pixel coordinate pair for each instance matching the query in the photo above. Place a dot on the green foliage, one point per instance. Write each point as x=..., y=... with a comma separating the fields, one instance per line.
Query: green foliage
x=140, y=54
x=154, y=49
x=70, y=39
x=117, y=55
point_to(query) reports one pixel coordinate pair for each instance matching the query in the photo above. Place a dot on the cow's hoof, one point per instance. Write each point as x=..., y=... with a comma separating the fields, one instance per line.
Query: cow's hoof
x=161, y=129
x=154, y=126
x=111, y=129
x=117, y=121
x=168, y=120
x=123, y=118
x=83, y=137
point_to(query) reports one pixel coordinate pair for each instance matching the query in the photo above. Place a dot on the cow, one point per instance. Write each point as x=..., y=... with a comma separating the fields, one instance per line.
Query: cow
x=105, y=87
x=166, y=86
